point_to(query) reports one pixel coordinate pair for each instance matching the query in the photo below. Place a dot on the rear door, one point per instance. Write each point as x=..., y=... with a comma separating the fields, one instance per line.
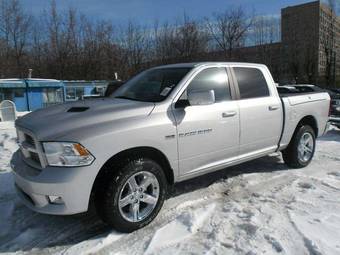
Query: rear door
x=207, y=134
x=261, y=116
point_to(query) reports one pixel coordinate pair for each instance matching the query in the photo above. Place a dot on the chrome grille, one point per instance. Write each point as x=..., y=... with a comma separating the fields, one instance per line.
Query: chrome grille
x=35, y=157
x=29, y=139
x=30, y=148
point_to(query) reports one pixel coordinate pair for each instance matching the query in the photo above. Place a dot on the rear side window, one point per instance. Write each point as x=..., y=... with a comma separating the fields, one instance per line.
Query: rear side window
x=251, y=82
x=215, y=79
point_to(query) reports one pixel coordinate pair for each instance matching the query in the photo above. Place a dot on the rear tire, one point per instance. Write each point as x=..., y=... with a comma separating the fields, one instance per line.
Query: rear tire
x=126, y=183
x=301, y=148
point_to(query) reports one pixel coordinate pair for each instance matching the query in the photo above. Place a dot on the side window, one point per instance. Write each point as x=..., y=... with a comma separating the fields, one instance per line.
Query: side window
x=251, y=82
x=211, y=79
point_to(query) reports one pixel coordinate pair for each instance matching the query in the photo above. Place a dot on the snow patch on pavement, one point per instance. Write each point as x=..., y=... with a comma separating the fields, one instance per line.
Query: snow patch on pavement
x=184, y=226
x=94, y=245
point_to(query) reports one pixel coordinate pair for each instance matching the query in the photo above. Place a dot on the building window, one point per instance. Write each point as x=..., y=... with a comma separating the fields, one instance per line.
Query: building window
x=6, y=94
x=100, y=91
x=19, y=93
x=74, y=93
x=52, y=96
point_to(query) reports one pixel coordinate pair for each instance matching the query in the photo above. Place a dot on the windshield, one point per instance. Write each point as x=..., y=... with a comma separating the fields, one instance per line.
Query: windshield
x=153, y=85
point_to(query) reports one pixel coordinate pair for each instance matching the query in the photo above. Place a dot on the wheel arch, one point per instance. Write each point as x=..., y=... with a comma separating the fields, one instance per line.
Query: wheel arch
x=310, y=121
x=144, y=151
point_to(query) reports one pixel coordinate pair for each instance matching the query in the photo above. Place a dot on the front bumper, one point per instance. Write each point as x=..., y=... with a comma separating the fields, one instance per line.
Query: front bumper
x=72, y=185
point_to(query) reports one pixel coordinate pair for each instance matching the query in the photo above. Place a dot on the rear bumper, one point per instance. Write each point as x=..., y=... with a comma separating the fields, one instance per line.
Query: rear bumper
x=35, y=187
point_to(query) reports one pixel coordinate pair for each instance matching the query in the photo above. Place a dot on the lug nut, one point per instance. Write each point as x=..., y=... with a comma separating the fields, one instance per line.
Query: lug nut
x=141, y=196
x=136, y=201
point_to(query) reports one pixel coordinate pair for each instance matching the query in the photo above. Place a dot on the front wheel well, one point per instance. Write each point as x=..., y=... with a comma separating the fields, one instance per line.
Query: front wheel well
x=310, y=121
x=148, y=152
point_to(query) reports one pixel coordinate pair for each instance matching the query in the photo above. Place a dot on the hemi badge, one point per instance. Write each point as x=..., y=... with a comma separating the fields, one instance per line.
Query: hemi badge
x=169, y=136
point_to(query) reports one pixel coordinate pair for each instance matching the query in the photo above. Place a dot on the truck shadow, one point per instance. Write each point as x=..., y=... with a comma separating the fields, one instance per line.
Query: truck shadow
x=28, y=231
x=266, y=164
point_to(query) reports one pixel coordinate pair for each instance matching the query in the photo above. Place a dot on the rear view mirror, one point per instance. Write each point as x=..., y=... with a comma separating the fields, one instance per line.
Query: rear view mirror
x=202, y=97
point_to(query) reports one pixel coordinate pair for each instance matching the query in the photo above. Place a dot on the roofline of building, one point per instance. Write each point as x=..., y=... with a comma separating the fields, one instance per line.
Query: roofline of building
x=301, y=5
x=28, y=79
x=85, y=80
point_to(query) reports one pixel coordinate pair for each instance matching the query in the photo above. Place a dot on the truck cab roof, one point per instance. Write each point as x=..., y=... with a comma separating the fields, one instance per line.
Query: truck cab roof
x=198, y=64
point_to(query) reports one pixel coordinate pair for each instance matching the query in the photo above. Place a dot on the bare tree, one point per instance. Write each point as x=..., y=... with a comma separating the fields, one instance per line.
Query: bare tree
x=163, y=49
x=189, y=41
x=38, y=44
x=135, y=40
x=265, y=30
x=228, y=29
x=15, y=29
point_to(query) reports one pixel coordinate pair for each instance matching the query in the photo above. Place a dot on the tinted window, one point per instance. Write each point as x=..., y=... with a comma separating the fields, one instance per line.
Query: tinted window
x=212, y=79
x=251, y=82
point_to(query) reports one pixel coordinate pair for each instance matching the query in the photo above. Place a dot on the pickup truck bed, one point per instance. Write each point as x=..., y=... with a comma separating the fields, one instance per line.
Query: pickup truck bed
x=298, y=104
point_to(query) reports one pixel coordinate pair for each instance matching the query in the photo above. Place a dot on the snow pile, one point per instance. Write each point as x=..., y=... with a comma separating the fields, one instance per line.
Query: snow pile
x=8, y=145
x=260, y=207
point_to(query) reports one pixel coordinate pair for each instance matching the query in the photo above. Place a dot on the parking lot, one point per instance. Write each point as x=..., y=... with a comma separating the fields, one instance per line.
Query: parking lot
x=258, y=207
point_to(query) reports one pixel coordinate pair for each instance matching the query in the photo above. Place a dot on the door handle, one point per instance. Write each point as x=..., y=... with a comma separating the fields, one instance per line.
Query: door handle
x=273, y=108
x=228, y=114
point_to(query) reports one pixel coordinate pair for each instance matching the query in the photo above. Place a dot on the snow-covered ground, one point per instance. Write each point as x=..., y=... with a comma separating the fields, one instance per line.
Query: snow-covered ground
x=261, y=207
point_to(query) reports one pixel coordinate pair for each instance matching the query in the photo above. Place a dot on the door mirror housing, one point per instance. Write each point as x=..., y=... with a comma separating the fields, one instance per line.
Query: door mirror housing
x=201, y=97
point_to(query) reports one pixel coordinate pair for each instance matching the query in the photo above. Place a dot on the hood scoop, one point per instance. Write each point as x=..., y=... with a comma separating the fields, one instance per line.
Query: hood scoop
x=78, y=109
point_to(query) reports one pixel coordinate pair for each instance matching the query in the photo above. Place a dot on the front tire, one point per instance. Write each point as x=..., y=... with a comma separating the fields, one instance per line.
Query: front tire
x=132, y=197
x=301, y=148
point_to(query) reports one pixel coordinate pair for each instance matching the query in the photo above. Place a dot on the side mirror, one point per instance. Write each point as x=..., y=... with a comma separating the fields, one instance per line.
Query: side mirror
x=201, y=97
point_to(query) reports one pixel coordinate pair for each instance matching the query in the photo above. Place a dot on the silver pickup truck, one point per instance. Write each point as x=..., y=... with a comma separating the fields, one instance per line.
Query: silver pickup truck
x=166, y=125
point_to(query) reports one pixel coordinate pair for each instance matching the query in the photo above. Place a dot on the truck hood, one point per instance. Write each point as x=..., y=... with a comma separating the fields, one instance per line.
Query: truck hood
x=56, y=121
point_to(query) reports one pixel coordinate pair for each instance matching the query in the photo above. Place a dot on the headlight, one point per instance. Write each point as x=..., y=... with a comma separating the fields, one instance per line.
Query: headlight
x=67, y=154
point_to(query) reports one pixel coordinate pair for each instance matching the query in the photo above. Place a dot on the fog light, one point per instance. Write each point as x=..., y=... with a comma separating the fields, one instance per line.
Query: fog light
x=338, y=108
x=55, y=200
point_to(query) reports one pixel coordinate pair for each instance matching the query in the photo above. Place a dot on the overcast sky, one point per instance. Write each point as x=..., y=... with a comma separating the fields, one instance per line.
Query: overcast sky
x=146, y=11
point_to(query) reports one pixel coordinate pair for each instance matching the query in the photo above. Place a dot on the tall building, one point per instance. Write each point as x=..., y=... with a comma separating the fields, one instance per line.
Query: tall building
x=310, y=43
x=309, y=50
